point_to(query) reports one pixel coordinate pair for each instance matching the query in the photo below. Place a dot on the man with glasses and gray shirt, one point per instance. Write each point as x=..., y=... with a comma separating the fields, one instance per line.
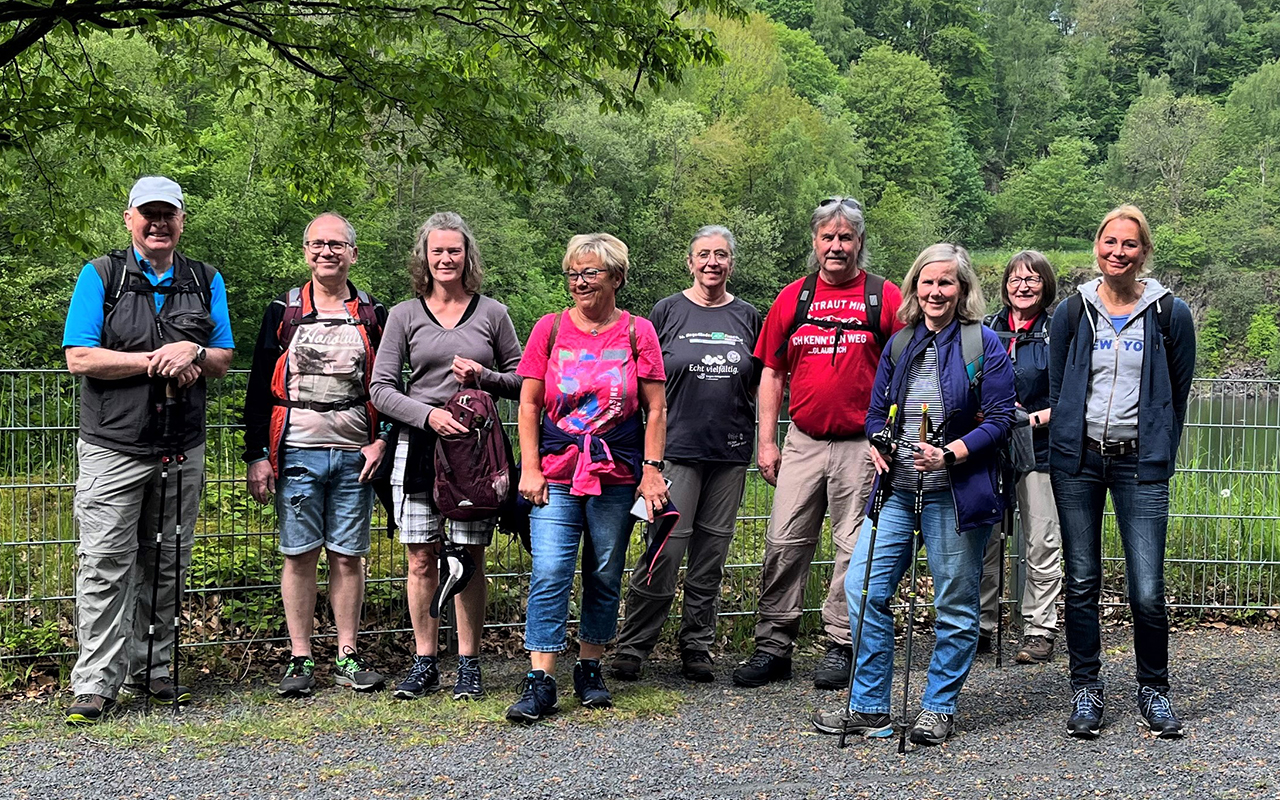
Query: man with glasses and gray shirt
x=822, y=337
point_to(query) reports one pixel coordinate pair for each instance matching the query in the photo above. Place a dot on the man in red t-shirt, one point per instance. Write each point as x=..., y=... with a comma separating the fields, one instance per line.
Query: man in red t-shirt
x=829, y=355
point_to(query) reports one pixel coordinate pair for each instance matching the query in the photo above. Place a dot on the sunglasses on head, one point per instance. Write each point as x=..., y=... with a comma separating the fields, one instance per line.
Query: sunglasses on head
x=844, y=201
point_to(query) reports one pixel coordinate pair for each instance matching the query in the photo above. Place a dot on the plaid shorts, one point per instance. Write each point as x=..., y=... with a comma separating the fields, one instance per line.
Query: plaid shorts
x=420, y=522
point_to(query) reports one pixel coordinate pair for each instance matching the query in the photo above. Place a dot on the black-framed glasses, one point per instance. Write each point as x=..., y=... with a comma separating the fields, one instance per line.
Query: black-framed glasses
x=848, y=202
x=588, y=275
x=336, y=246
x=1031, y=281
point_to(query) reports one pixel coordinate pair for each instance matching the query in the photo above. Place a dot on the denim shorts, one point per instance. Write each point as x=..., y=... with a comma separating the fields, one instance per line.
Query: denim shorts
x=320, y=502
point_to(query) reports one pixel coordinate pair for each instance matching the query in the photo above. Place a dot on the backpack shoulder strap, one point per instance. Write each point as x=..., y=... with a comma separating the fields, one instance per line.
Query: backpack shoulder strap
x=202, y=274
x=555, y=332
x=291, y=317
x=873, y=294
x=804, y=300
x=1164, y=315
x=631, y=335
x=898, y=343
x=114, y=276
x=973, y=352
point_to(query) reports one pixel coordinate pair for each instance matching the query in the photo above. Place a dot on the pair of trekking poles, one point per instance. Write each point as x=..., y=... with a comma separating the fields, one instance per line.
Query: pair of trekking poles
x=170, y=412
x=883, y=441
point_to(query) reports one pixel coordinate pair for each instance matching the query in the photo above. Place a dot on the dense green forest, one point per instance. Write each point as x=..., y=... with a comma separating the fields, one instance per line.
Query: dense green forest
x=999, y=125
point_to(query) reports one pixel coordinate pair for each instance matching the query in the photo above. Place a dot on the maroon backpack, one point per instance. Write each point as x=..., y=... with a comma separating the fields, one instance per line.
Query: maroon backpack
x=473, y=471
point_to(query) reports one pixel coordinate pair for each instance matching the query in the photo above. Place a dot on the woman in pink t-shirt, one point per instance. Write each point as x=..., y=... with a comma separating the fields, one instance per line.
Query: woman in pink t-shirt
x=587, y=371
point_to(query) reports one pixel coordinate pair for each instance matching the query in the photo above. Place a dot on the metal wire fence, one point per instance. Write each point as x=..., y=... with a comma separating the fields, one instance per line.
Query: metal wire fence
x=1223, y=549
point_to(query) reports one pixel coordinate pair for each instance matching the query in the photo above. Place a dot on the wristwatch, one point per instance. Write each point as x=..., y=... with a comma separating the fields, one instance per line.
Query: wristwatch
x=948, y=457
x=201, y=355
x=658, y=465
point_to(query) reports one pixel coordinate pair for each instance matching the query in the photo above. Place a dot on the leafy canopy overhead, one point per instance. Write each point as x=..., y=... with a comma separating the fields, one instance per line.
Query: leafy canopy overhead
x=420, y=82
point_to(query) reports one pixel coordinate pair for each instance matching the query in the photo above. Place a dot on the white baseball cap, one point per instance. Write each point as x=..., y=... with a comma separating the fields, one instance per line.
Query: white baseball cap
x=155, y=189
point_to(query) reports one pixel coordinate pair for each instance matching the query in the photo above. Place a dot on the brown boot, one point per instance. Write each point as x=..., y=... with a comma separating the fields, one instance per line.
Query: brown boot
x=1035, y=650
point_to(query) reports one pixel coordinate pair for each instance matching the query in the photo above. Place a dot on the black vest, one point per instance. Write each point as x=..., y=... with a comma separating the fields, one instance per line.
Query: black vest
x=1030, y=370
x=130, y=415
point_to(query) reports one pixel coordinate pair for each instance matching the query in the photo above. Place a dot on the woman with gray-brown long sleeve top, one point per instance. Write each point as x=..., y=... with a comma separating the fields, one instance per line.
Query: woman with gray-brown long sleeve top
x=449, y=335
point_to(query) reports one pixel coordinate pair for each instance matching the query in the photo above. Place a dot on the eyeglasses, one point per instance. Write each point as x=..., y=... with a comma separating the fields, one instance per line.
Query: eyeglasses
x=705, y=255
x=588, y=275
x=336, y=246
x=1032, y=281
x=844, y=201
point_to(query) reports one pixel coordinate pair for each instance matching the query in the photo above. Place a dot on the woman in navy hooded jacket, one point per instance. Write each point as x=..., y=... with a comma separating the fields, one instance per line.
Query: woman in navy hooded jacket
x=957, y=471
x=1121, y=359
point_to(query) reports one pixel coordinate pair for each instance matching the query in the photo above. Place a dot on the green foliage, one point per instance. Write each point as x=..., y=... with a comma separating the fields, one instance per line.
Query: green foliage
x=898, y=228
x=1058, y=195
x=1182, y=248
x=899, y=110
x=1210, y=340
x=809, y=72
x=797, y=14
x=1263, y=336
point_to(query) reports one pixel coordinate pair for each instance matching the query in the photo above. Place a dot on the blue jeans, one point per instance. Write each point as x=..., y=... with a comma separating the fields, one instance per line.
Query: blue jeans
x=955, y=561
x=320, y=502
x=603, y=524
x=1142, y=514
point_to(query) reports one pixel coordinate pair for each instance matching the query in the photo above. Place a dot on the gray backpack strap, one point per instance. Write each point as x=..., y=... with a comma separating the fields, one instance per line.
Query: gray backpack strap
x=973, y=352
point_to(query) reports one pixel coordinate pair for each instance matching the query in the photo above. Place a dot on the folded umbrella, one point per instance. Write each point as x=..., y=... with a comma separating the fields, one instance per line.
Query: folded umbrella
x=456, y=569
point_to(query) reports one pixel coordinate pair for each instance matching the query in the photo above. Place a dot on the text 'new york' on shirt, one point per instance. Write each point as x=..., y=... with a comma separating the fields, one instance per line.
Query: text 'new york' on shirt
x=830, y=381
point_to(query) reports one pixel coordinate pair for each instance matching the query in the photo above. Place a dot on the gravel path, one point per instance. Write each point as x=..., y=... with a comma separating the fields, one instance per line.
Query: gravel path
x=732, y=743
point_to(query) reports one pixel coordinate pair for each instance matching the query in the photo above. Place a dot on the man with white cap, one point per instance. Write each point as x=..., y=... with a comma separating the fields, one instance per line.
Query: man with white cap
x=145, y=327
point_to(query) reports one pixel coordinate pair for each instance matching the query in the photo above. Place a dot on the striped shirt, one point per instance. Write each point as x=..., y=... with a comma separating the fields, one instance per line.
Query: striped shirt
x=923, y=387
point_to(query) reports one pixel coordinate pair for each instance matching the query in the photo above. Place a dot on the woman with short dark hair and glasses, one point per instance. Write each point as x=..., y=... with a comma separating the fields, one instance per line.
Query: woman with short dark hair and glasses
x=1121, y=357
x=1027, y=292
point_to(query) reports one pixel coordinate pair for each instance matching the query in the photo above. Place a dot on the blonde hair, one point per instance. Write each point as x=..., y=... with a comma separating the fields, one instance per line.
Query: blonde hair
x=472, y=264
x=611, y=251
x=1133, y=214
x=971, y=306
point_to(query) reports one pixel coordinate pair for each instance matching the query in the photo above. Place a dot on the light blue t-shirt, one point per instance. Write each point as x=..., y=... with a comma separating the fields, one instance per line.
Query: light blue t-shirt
x=85, y=318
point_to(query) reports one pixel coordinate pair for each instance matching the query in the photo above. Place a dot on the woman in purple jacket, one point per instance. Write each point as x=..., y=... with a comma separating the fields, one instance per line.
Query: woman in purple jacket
x=970, y=402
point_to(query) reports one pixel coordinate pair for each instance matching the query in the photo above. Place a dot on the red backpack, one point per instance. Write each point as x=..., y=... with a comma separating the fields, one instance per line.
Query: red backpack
x=473, y=470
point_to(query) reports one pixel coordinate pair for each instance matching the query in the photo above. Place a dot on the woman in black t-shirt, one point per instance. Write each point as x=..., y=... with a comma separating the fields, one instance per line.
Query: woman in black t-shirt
x=707, y=336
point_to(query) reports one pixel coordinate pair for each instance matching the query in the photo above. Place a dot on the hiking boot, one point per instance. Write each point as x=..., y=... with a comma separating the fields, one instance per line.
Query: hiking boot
x=423, y=678
x=299, y=678
x=932, y=727
x=1157, y=713
x=537, y=698
x=626, y=667
x=158, y=693
x=468, y=685
x=762, y=668
x=1034, y=650
x=588, y=684
x=833, y=671
x=90, y=709
x=984, y=643
x=856, y=723
x=695, y=665
x=353, y=671
x=1086, y=713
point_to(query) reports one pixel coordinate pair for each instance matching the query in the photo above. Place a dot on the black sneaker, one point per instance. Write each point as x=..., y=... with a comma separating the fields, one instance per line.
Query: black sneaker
x=696, y=665
x=90, y=709
x=932, y=727
x=468, y=685
x=762, y=668
x=626, y=667
x=537, y=698
x=299, y=678
x=1157, y=713
x=588, y=684
x=1086, y=713
x=833, y=672
x=352, y=670
x=423, y=678
x=985, y=643
x=856, y=723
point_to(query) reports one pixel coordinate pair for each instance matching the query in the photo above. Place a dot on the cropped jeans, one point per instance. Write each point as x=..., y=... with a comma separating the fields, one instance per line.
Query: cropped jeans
x=603, y=525
x=1142, y=514
x=955, y=561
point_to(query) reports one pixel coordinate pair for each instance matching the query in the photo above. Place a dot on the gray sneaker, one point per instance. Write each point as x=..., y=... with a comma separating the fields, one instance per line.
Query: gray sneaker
x=352, y=670
x=299, y=678
x=856, y=723
x=932, y=727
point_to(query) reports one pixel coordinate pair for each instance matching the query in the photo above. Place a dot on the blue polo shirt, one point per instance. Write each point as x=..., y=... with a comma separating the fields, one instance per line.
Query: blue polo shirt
x=85, y=318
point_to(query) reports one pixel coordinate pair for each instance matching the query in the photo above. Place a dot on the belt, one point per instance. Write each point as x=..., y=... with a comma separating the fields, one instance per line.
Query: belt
x=1111, y=449
x=323, y=407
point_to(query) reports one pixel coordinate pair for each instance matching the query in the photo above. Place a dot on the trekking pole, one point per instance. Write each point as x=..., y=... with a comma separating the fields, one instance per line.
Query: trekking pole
x=181, y=459
x=911, y=587
x=882, y=441
x=155, y=579
x=1004, y=535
